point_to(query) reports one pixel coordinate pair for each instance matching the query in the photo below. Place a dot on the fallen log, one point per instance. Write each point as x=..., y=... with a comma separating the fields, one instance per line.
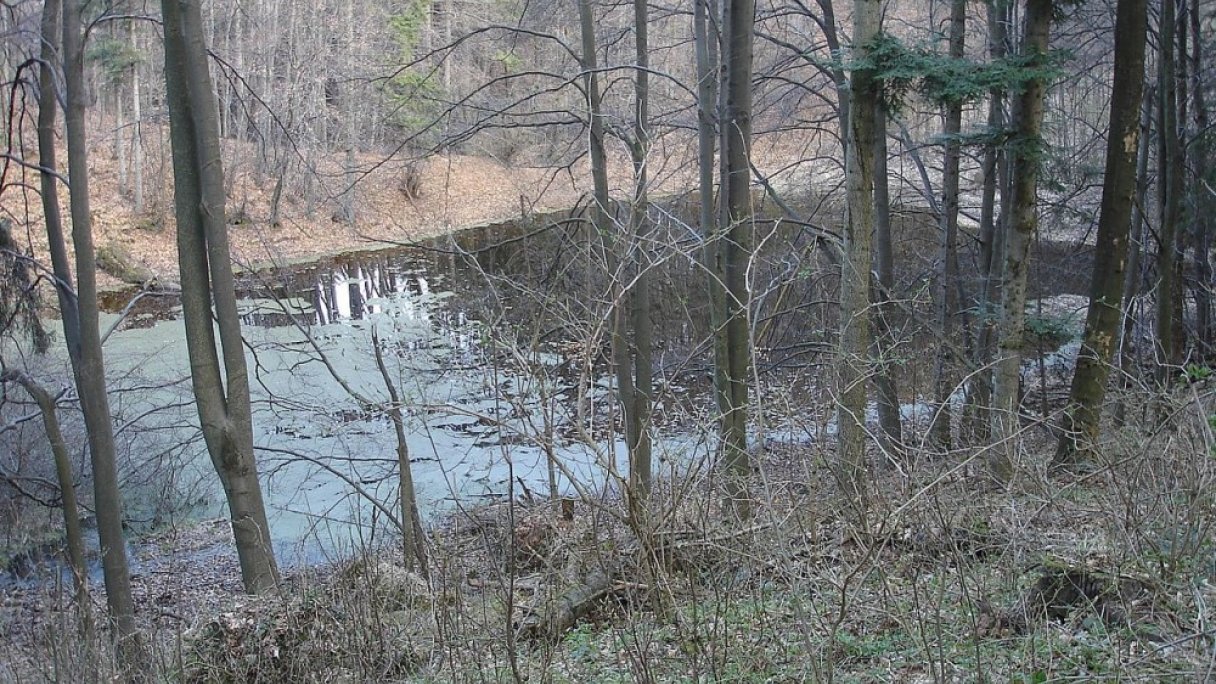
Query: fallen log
x=561, y=613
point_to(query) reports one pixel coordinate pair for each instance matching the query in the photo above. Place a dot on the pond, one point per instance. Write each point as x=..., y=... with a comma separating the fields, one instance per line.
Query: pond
x=484, y=335
x=496, y=338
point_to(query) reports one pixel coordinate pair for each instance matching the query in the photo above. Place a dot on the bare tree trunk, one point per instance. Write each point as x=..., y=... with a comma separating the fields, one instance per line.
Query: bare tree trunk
x=137, y=138
x=222, y=396
x=600, y=220
x=734, y=251
x=448, y=11
x=889, y=420
x=57, y=245
x=67, y=307
x=412, y=535
x=347, y=209
x=1083, y=417
x=1132, y=275
x=120, y=135
x=992, y=233
x=67, y=493
x=1028, y=119
x=708, y=113
x=947, y=291
x=637, y=414
x=853, y=367
x=1168, y=263
x=90, y=370
x=1201, y=198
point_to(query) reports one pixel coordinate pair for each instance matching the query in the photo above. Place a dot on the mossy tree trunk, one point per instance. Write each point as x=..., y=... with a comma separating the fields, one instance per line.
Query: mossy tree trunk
x=948, y=285
x=1083, y=416
x=1169, y=291
x=1132, y=274
x=1027, y=154
x=889, y=420
x=854, y=364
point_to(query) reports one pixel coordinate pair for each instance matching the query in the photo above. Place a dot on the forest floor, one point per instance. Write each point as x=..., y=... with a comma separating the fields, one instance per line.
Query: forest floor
x=1107, y=575
x=947, y=577
x=453, y=191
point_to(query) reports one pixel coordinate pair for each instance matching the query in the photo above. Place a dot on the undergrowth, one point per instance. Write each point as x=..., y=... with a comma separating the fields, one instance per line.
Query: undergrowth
x=1106, y=575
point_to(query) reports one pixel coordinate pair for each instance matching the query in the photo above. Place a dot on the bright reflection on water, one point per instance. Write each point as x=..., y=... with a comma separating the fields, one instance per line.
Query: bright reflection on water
x=477, y=425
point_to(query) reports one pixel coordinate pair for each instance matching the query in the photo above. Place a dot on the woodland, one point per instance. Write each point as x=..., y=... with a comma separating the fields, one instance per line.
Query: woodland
x=584, y=340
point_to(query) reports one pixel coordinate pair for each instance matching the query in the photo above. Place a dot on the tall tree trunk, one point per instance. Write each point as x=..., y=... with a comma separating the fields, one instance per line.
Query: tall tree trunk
x=137, y=137
x=413, y=537
x=947, y=291
x=601, y=223
x=708, y=113
x=222, y=395
x=47, y=101
x=853, y=366
x=346, y=212
x=638, y=413
x=120, y=133
x=1132, y=275
x=67, y=494
x=448, y=11
x=889, y=419
x=1201, y=198
x=1083, y=416
x=734, y=250
x=992, y=231
x=1027, y=151
x=90, y=370
x=57, y=245
x=1168, y=261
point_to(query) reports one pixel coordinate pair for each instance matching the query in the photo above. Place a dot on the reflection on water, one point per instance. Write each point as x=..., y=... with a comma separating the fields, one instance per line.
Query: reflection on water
x=349, y=294
x=344, y=294
x=495, y=338
x=485, y=412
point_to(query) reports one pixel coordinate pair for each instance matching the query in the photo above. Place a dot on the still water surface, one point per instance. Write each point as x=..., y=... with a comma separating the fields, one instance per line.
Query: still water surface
x=477, y=423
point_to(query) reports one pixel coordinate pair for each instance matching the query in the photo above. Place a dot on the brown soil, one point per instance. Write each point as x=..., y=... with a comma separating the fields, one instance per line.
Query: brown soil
x=456, y=191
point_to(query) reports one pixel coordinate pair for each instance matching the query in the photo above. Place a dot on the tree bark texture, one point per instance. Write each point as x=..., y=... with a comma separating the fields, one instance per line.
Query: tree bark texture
x=735, y=246
x=221, y=393
x=708, y=116
x=637, y=413
x=90, y=370
x=1027, y=153
x=854, y=365
x=889, y=419
x=1169, y=346
x=944, y=373
x=1083, y=416
x=47, y=105
x=70, y=316
x=993, y=230
x=1132, y=275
